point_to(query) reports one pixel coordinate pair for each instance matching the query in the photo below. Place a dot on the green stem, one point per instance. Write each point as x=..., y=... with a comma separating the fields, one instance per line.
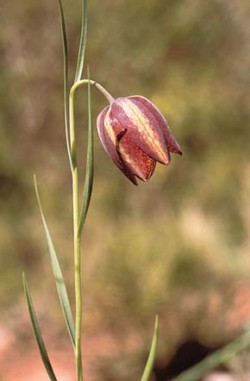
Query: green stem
x=84, y=82
x=77, y=226
x=77, y=240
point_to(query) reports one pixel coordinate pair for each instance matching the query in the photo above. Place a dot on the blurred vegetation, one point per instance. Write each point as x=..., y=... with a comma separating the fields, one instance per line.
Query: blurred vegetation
x=175, y=245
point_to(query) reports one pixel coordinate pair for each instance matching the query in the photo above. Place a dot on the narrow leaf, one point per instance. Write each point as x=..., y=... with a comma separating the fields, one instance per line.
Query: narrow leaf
x=60, y=284
x=65, y=77
x=83, y=41
x=215, y=359
x=151, y=357
x=89, y=176
x=37, y=332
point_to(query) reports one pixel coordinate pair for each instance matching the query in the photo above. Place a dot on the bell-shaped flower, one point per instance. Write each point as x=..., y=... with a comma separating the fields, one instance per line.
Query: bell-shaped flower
x=135, y=135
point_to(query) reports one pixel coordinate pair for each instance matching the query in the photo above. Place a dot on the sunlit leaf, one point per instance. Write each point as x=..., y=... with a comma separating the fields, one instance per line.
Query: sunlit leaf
x=37, y=332
x=217, y=358
x=88, y=183
x=60, y=284
x=82, y=44
x=151, y=357
x=65, y=77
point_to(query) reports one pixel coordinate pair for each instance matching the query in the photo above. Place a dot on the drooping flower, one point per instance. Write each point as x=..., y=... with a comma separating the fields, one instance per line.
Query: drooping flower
x=136, y=136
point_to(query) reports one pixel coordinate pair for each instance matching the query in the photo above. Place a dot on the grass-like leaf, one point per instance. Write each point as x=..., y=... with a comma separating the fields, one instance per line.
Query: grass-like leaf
x=65, y=77
x=60, y=284
x=89, y=176
x=151, y=357
x=217, y=358
x=83, y=41
x=38, y=333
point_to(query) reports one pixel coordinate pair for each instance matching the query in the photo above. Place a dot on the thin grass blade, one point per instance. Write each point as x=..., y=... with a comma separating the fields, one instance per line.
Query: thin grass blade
x=83, y=41
x=89, y=176
x=65, y=77
x=60, y=284
x=37, y=332
x=151, y=357
x=217, y=358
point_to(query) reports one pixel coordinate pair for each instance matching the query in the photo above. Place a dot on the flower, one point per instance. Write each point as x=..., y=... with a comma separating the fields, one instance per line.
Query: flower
x=135, y=135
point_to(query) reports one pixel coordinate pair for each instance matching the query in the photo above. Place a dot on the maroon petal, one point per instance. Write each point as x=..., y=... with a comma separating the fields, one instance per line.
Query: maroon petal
x=109, y=142
x=161, y=122
x=142, y=128
x=139, y=163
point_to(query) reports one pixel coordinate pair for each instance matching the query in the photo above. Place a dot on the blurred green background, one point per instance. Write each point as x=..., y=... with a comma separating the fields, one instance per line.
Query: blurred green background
x=178, y=245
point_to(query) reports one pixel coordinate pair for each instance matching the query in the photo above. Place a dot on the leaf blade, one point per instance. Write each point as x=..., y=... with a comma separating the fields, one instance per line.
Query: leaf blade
x=89, y=176
x=59, y=280
x=82, y=43
x=152, y=353
x=217, y=358
x=65, y=77
x=37, y=332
